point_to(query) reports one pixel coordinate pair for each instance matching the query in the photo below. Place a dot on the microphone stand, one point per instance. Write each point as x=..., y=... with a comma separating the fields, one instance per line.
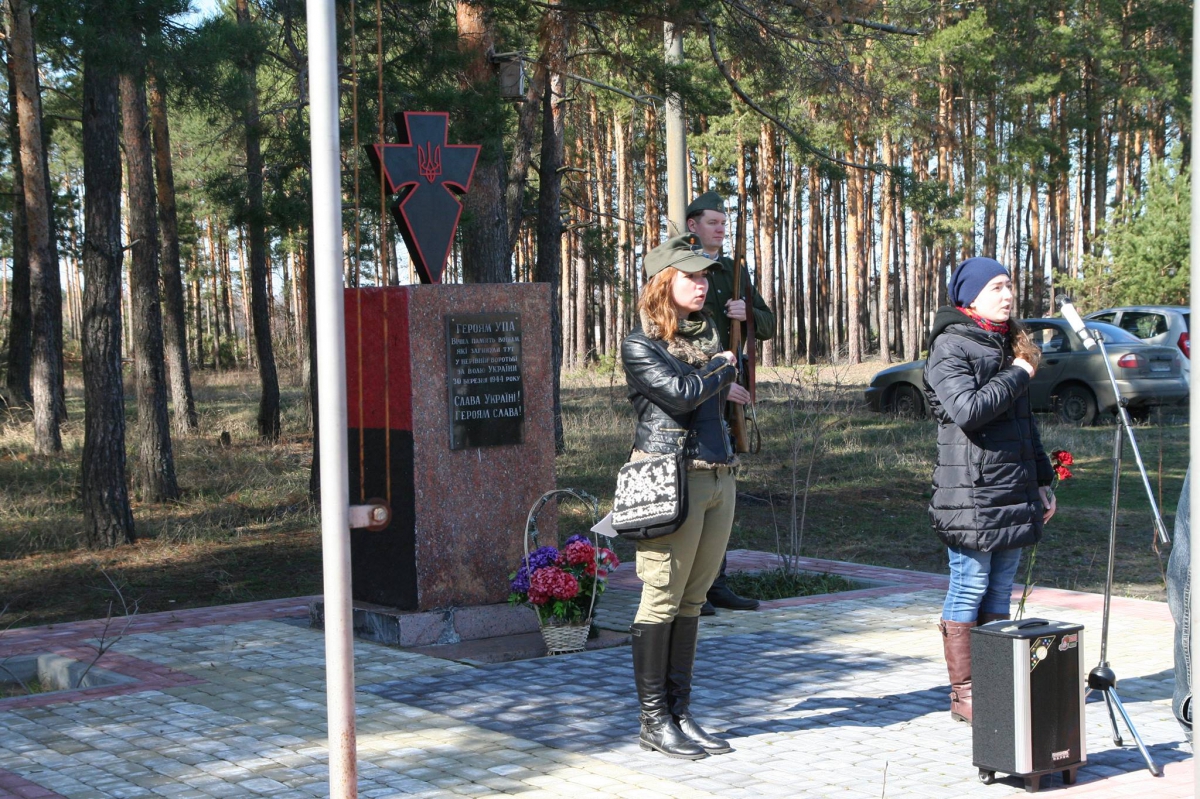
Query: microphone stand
x=1103, y=678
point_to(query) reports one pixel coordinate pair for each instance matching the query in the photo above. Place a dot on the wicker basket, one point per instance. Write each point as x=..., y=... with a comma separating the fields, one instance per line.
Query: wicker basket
x=563, y=637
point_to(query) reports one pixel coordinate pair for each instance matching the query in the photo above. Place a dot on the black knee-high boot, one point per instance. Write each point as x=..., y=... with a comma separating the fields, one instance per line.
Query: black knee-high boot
x=651, y=648
x=679, y=684
x=722, y=596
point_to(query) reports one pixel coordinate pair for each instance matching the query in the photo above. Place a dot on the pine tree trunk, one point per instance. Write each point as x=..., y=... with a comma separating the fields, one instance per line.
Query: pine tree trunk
x=486, y=252
x=45, y=295
x=108, y=520
x=917, y=277
x=154, y=474
x=765, y=279
x=20, y=319
x=174, y=321
x=626, y=285
x=310, y=330
x=216, y=318
x=556, y=35
x=854, y=267
x=1019, y=283
x=814, y=309
x=260, y=299
x=654, y=200
x=244, y=284
x=56, y=300
x=227, y=304
x=796, y=342
x=742, y=234
x=583, y=303
x=1037, y=281
x=991, y=188
x=522, y=155
x=885, y=259
x=836, y=293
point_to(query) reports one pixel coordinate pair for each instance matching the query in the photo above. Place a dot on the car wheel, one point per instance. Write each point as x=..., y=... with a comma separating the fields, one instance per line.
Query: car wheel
x=1140, y=414
x=1076, y=405
x=907, y=402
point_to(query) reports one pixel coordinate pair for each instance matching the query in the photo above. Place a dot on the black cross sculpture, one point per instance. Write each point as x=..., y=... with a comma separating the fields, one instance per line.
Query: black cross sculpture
x=428, y=175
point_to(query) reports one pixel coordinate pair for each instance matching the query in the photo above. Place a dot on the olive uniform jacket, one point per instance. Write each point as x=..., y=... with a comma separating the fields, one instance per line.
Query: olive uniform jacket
x=720, y=291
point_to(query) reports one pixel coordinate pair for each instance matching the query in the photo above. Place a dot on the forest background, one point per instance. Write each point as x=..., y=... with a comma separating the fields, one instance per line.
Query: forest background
x=155, y=206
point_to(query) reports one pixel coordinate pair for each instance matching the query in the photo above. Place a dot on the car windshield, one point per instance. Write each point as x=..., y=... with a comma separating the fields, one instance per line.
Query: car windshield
x=1113, y=334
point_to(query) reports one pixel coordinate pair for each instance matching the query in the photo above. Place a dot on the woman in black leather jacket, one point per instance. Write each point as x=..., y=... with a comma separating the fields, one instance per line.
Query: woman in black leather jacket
x=991, y=483
x=679, y=381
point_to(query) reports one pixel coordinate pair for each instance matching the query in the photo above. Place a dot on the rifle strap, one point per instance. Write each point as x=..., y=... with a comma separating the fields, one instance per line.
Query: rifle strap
x=755, y=434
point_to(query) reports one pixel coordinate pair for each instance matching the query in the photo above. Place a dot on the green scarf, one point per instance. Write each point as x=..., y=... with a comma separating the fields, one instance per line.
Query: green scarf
x=696, y=342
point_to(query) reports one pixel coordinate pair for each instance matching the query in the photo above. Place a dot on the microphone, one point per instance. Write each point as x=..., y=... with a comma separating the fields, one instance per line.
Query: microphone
x=1072, y=316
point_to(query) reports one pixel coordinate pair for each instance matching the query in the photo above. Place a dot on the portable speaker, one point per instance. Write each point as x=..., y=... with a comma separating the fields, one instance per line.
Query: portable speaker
x=1028, y=703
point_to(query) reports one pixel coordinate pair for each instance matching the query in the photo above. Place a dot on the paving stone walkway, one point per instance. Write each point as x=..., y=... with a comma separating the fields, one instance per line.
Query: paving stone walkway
x=840, y=695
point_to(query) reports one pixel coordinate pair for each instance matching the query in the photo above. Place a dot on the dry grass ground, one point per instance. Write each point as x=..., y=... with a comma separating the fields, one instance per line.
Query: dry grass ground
x=245, y=529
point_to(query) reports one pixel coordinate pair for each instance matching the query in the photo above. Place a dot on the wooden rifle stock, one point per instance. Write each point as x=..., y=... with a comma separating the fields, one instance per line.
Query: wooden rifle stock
x=736, y=414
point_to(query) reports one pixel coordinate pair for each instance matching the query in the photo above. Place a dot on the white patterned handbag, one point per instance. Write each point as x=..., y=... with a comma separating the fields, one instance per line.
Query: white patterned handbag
x=651, y=497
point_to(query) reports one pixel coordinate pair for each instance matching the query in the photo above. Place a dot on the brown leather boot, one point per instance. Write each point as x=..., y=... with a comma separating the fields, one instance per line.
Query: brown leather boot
x=984, y=618
x=956, y=642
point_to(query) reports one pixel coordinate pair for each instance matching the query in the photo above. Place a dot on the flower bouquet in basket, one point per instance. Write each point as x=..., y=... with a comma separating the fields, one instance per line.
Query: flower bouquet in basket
x=562, y=586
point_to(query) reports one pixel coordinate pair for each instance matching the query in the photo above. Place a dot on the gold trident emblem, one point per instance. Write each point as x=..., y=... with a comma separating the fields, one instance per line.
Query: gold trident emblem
x=429, y=161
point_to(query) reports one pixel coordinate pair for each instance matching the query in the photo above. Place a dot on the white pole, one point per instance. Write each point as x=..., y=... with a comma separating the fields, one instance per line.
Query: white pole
x=677, y=160
x=1194, y=396
x=331, y=397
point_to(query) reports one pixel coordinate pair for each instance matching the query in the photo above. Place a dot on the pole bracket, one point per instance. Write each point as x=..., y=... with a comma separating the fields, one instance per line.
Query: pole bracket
x=375, y=515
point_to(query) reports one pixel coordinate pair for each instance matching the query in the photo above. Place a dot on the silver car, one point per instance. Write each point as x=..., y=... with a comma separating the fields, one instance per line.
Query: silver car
x=1071, y=381
x=1154, y=324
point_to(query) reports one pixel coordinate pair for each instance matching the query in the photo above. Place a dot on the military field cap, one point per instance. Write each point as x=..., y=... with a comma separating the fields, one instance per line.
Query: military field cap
x=708, y=201
x=682, y=252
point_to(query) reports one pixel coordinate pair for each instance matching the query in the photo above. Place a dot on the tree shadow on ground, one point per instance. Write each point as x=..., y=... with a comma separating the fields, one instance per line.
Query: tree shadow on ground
x=745, y=685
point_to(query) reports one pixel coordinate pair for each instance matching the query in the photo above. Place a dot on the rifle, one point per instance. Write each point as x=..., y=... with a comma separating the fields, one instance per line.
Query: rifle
x=737, y=415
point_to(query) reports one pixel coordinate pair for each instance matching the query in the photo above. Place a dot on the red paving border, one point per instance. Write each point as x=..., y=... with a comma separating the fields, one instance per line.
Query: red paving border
x=27, y=639
x=68, y=640
x=16, y=787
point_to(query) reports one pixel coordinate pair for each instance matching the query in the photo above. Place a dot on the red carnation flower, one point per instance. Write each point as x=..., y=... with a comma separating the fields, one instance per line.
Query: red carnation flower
x=1063, y=472
x=1062, y=458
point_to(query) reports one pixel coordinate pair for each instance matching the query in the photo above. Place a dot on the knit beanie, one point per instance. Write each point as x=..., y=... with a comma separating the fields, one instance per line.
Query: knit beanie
x=970, y=278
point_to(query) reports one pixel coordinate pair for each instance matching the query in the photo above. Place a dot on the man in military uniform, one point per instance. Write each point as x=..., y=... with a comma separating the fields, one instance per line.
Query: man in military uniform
x=706, y=218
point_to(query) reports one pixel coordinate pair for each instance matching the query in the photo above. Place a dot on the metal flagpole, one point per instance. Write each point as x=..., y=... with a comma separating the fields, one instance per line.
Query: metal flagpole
x=1194, y=401
x=331, y=396
x=677, y=160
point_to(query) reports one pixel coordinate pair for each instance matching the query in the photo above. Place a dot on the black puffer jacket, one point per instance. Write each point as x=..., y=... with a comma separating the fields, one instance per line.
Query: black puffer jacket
x=990, y=460
x=668, y=395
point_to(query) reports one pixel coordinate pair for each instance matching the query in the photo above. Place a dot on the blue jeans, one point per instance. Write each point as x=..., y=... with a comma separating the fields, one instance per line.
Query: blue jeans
x=1179, y=596
x=980, y=582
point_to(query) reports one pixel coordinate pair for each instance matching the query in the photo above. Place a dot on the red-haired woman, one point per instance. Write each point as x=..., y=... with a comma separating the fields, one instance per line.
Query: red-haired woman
x=679, y=380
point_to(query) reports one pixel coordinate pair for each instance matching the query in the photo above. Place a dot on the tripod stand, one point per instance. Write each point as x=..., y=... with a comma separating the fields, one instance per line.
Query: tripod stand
x=1103, y=678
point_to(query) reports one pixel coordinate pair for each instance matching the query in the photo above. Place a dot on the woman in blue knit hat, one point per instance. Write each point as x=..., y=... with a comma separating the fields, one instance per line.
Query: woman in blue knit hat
x=991, y=484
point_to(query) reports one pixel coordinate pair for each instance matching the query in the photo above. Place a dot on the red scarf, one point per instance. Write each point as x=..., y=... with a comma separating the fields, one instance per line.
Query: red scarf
x=989, y=326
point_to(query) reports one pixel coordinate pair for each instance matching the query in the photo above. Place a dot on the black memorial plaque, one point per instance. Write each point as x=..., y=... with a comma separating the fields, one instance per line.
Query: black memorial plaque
x=483, y=373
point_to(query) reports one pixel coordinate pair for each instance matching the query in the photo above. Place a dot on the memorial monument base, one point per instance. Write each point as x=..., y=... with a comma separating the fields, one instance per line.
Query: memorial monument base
x=407, y=628
x=450, y=409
